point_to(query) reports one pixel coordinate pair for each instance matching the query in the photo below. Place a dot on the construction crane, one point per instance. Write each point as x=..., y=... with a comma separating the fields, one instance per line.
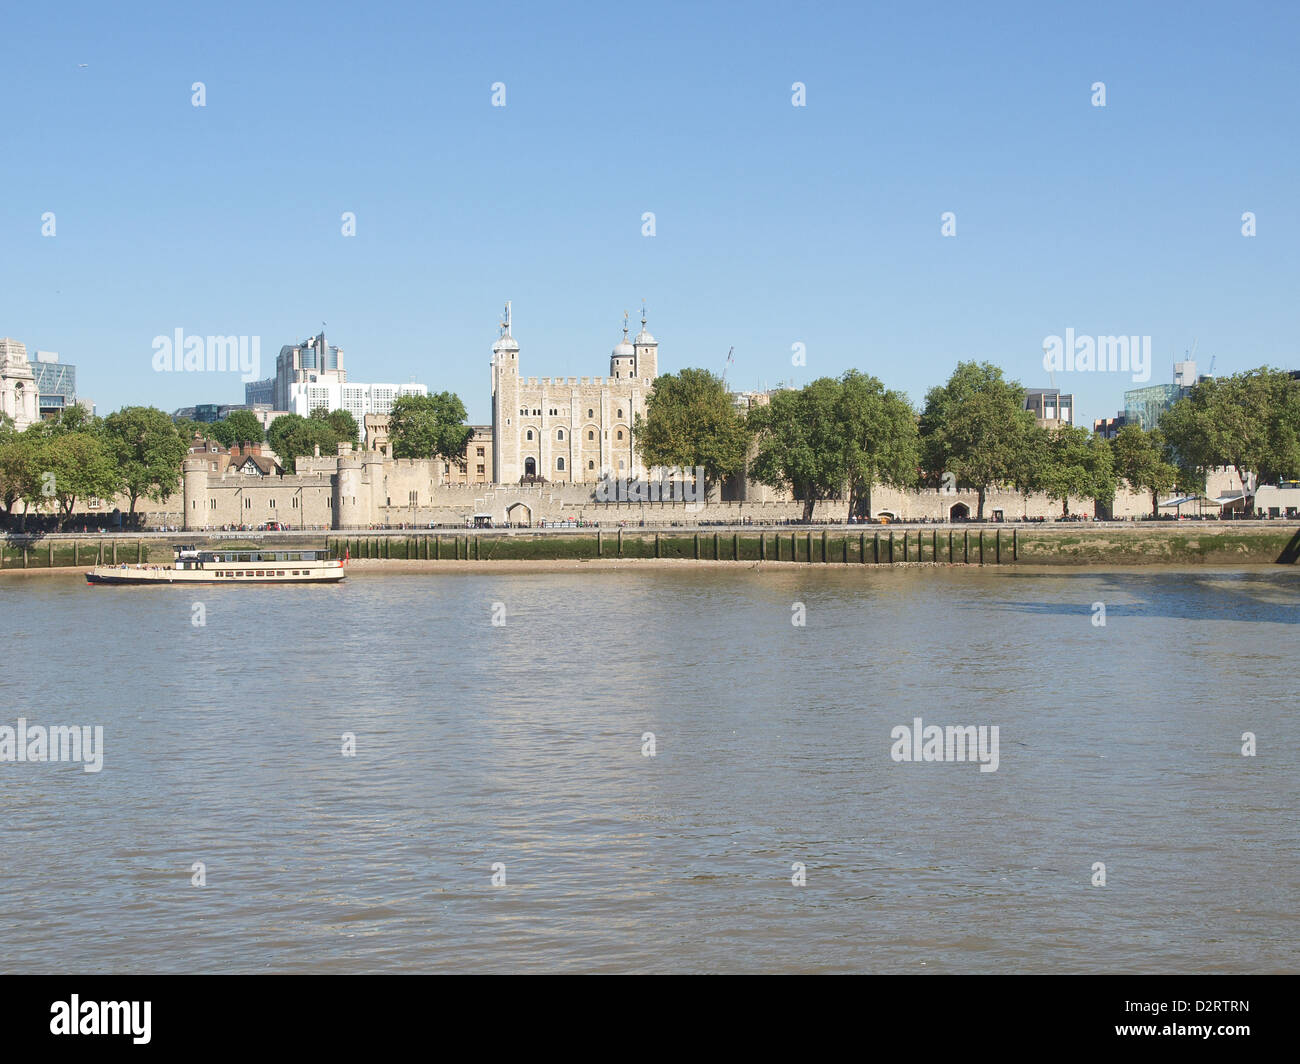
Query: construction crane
x=727, y=365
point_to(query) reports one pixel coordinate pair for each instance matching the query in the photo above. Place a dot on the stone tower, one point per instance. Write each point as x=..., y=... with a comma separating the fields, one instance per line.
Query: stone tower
x=505, y=406
x=194, y=484
x=17, y=384
x=646, y=349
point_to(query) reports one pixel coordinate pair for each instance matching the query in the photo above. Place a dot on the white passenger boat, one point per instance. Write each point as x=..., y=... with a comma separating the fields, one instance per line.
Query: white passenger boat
x=229, y=567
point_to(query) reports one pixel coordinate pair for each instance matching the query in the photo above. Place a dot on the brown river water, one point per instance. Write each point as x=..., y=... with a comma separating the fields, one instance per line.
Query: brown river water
x=521, y=745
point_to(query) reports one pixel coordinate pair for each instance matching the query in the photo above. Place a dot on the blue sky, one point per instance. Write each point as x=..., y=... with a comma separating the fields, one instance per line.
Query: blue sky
x=775, y=225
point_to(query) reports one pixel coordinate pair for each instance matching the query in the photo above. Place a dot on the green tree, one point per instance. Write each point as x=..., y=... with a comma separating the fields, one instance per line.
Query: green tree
x=148, y=451
x=975, y=427
x=70, y=466
x=221, y=432
x=293, y=436
x=341, y=421
x=1079, y=464
x=1142, y=462
x=187, y=427
x=801, y=443
x=691, y=421
x=1030, y=461
x=70, y=419
x=1250, y=421
x=879, y=438
x=244, y=428
x=428, y=426
x=11, y=463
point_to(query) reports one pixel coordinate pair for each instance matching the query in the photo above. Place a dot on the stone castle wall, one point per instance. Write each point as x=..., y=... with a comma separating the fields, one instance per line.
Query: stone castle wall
x=366, y=490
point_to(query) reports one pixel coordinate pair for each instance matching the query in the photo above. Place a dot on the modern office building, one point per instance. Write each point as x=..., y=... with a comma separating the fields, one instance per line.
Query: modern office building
x=1051, y=409
x=56, y=383
x=298, y=367
x=311, y=375
x=1143, y=406
x=260, y=393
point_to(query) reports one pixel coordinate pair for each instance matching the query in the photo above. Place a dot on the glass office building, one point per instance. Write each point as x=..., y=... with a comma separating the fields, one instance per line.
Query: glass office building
x=56, y=383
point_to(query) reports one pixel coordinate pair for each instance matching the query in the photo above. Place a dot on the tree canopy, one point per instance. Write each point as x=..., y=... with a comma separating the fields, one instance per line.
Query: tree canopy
x=428, y=426
x=148, y=452
x=691, y=421
x=1078, y=464
x=1142, y=460
x=1249, y=420
x=976, y=427
x=835, y=436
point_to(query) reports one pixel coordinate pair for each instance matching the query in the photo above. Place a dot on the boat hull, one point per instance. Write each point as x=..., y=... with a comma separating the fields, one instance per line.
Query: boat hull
x=147, y=577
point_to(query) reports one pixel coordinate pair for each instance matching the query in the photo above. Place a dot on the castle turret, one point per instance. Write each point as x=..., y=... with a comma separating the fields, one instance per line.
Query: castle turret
x=646, y=348
x=194, y=494
x=351, y=494
x=505, y=405
x=622, y=360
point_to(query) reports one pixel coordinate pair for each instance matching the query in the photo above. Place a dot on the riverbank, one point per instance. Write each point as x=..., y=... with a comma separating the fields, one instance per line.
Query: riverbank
x=1199, y=543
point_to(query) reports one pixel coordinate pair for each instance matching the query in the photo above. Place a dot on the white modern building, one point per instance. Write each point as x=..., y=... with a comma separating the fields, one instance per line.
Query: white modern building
x=357, y=399
x=311, y=375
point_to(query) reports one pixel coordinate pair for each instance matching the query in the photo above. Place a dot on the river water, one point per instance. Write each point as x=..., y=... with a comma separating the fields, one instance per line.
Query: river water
x=521, y=745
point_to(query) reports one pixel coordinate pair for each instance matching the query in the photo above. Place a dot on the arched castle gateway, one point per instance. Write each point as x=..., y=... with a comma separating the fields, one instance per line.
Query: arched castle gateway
x=570, y=430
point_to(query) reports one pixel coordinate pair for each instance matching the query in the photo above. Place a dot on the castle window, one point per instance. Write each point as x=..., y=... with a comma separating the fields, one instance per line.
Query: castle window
x=590, y=412
x=560, y=435
x=620, y=463
x=480, y=452
x=620, y=434
x=591, y=465
x=554, y=411
x=559, y=464
x=590, y=435
x=620, y=411
x=530, y=434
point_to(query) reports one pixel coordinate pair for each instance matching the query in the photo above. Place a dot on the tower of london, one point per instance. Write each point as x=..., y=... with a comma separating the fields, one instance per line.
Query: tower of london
x=569, y=429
